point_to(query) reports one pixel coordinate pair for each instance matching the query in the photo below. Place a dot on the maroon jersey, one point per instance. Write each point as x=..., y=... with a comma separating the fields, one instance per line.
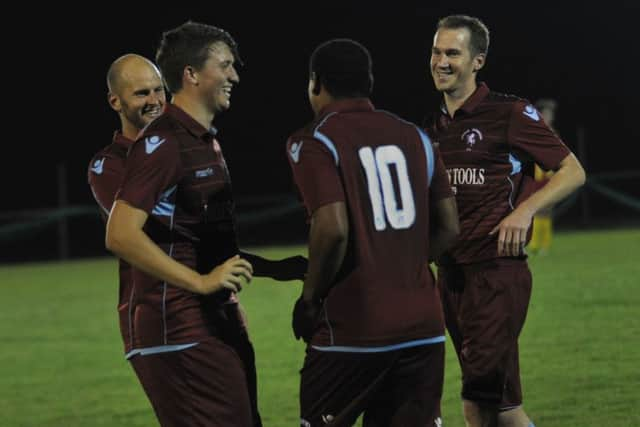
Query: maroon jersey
x=177, y=174
x=387, y=173
x=106, y=170
x=489, y=148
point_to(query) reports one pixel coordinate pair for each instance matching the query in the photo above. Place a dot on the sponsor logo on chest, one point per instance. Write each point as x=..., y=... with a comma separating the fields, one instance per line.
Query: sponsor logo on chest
x=469, y=176
x=465, y=176
x=203, y=173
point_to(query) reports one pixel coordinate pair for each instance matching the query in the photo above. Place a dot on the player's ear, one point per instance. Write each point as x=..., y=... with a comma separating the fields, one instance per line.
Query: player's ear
x=114, y=101
x=478, y=62
x=190, y=75
x=315, y=84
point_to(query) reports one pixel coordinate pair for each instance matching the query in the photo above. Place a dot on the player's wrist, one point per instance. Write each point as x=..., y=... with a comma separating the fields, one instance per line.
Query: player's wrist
x=207, y=283
x=310, y=299
x=530, y=211
x=198, y=284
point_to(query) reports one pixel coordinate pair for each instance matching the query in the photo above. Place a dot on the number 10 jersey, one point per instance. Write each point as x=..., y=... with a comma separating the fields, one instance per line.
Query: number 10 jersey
x=388, y=174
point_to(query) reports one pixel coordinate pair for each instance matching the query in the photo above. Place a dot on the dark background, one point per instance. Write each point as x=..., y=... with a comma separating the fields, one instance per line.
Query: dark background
x=584, y=56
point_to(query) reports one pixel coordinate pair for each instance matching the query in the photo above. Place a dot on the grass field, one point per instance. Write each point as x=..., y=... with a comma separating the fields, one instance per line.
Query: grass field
x=61, y=362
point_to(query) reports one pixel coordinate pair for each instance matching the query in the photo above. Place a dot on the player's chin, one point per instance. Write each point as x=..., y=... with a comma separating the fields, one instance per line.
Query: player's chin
x=440, y=85
x=148, y=118
x=224, y=105
x=143, y=121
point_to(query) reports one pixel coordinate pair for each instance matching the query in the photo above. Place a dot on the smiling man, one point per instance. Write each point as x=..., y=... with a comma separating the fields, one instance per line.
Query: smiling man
x=137, y=94
x=489, y=144
x=173, y=220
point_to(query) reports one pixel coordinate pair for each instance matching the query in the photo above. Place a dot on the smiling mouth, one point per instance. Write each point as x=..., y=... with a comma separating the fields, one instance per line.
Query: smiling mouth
x=153, y=112
x=442, y=74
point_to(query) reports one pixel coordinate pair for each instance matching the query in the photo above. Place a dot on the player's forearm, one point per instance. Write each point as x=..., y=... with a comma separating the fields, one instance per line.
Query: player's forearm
x=327, y=247
x=134, y=246
x=262, y=267
x=568, y=178
x=440, y=241
x=446, y=227
x=291, y=268
x=326, y=254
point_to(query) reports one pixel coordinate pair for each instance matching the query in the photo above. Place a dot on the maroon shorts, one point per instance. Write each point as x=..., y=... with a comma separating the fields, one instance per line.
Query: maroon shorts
x=204, y=385
x=233, y=332
x=485, y=306
x=395, y=388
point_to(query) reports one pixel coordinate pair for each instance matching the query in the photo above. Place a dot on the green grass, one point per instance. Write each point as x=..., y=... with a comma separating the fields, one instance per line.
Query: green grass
x=62, y=364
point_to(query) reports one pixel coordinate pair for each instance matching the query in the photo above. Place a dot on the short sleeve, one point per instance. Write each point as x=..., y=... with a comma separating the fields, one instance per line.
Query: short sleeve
x=105, y=175
x=315, y=172
x=529, y=134
x=152, y=168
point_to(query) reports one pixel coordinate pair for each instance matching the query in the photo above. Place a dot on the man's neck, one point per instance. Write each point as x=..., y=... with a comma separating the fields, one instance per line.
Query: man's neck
x=130, y=131
x=321, y=101
x=456, y=99
x=195, y=109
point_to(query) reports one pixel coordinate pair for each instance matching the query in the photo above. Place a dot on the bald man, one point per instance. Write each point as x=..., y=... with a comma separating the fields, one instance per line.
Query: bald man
x=136, y=93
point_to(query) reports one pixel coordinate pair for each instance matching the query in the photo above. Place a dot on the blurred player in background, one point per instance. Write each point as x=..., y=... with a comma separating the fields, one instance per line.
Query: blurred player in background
x=542, y=233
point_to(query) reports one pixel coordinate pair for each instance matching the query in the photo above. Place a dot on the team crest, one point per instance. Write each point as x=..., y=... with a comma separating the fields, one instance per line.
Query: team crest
x=216, y=147
x=471, y=137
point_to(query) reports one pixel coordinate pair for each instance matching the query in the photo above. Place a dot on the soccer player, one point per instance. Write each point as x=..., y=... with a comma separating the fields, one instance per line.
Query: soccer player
x=174, y=222
x=369, y=310
x=489, y=143
x=136, y=93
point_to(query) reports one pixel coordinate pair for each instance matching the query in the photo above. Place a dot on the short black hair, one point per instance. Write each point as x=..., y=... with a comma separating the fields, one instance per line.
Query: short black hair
x=187, y=45
x=479, y=41
x=343, y=68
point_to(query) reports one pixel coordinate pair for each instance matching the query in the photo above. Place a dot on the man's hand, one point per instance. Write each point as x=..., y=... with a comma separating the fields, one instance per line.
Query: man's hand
x=227, y=275
x=305, y=315
x=512, y=232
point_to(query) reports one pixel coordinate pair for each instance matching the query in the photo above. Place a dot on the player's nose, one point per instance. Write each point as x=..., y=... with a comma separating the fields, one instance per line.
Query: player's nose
x=443, y=62
x=233, y=76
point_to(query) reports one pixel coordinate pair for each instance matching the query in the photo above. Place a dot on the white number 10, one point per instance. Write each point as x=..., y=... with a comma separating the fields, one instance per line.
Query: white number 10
x=376, y=167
